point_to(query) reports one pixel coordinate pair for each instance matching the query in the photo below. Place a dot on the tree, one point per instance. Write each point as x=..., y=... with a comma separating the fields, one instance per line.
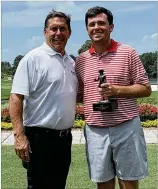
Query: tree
x=73, y=57
x=85, y=46
x=6, y=68
x=16, y=63
x=149, y=61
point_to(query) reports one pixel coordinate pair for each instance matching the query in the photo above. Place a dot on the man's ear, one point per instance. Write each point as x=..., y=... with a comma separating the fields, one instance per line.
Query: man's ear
x=44, y=31
x=111, y=27
x=69, y=33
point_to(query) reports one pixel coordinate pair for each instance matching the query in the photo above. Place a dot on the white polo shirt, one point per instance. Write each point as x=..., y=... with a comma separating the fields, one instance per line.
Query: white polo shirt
x=49, y=84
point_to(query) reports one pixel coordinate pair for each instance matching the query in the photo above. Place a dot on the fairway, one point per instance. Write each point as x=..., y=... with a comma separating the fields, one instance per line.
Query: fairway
x=14, y=176
x=5, y=89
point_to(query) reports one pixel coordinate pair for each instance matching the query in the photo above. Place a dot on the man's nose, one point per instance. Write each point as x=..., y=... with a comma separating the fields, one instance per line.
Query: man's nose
x=58, y=31
x=96, y=26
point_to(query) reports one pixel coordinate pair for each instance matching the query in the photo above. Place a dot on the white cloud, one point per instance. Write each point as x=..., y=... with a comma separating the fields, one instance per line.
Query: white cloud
x=5, y=50
x=148, y=37
x=154, y=36
x=34, y=42
x=147, y=44
x=136, y=8
x=35, y=13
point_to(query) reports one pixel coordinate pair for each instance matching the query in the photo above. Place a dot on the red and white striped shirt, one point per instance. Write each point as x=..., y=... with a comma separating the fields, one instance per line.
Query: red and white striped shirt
x=122, y=66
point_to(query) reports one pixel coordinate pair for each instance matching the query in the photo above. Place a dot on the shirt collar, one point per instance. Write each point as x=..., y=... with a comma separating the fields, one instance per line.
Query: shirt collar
x=112, y=48
x=50, y=51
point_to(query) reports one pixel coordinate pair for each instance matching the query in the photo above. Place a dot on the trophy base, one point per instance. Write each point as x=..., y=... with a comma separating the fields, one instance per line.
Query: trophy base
x=105, y=106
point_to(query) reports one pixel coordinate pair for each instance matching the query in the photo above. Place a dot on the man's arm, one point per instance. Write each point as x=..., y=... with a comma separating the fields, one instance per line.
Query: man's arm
x=133, y=91
x=16, y=113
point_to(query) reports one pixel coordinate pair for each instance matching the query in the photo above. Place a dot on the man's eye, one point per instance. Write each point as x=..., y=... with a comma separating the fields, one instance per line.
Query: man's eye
x=92, y=24
x=62, y=29
x=54, y=29
x=101, y=23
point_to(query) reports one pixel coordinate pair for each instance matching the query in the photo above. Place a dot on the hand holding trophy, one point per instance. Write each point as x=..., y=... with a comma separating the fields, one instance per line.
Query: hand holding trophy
x=108, y=105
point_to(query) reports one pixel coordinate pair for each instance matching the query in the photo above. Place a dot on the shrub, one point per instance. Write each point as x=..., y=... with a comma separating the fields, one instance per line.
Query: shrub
x=150, y=123
x=147, y=112
x=79, y=123
x=5, y=117
x=79, y=112
x=6, y=126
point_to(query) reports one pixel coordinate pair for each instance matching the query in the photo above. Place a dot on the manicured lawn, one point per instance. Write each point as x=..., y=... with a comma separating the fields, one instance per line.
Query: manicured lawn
x=5, y=90
x=6, y=87
x=14, y=176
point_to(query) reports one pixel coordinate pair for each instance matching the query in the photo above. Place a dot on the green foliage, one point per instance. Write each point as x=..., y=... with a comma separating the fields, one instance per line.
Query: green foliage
x=149, y=61
x=150, y=123
x=6, y=69
x=79, y=123
x=5, y=89
x=6, y=126
x=73, y=57
x=85, y=46
x=16, y=63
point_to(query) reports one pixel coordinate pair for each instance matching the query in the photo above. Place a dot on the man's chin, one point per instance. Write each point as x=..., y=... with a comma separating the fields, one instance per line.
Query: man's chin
x=97, y=40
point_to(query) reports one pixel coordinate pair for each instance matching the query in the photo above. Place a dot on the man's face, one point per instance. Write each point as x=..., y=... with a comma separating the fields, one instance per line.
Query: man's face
x=98, y=28
x=57, y=34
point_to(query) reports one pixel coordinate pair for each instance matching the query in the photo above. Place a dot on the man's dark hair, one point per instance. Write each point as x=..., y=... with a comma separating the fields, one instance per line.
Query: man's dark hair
x=94, y=11
x=54, y=14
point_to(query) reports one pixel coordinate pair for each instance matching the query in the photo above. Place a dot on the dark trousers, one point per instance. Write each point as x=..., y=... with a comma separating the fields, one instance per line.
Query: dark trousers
x=50, y=158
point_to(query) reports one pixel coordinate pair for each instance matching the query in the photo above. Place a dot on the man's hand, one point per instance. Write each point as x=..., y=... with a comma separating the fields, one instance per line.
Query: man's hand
x=22, y=147
x=107, y=90
x=131, y=91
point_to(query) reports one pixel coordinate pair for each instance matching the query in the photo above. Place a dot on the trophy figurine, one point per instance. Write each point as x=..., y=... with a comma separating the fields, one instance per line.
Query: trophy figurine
x=108, y=105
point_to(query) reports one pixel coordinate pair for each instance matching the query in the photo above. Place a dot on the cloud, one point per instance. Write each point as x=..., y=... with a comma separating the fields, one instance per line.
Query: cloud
x=34, y=13
x=5, y=50
x=34, y=42
x=147, y=38
x=136, y=8
x=154, y=36
x=146, y=44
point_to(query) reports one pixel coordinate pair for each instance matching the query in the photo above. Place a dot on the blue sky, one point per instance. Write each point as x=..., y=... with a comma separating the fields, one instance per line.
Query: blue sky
x=22, y=24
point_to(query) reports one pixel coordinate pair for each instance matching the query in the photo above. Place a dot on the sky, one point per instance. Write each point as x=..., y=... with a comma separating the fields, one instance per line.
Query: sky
x=135, y=24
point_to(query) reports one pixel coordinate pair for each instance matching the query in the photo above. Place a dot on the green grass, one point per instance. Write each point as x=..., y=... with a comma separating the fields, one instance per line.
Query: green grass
x=5, y=89
x=14, y=176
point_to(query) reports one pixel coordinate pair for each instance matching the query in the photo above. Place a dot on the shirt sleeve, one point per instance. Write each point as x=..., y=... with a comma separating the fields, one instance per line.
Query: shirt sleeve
x=138, y=74
x=21, y=80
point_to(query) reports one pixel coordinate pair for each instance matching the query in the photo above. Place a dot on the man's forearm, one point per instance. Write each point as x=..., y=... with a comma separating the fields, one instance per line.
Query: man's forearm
x=16, y=113
x=133, y=91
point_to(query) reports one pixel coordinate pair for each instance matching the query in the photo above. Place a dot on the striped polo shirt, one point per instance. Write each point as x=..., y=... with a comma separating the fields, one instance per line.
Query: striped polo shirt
x=122, y=66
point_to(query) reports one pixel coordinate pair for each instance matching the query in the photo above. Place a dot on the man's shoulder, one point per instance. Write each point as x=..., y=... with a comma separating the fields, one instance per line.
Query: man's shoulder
x=122, y=46
x=34, y=52
x=83, y=55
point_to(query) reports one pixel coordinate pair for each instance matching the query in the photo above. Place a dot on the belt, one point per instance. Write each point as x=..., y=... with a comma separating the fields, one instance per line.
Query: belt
x=44, y=131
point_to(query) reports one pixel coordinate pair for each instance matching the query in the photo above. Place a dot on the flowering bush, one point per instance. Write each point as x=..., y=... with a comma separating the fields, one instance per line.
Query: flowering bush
x=5, y=117
x=147, y=112
x=79, y=112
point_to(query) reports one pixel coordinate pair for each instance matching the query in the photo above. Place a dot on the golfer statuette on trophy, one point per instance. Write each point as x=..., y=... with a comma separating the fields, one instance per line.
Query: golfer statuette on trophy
x=108, y=105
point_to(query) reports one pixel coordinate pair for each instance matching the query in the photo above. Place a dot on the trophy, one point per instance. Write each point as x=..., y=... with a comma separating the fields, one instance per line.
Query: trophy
x=108, y=105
